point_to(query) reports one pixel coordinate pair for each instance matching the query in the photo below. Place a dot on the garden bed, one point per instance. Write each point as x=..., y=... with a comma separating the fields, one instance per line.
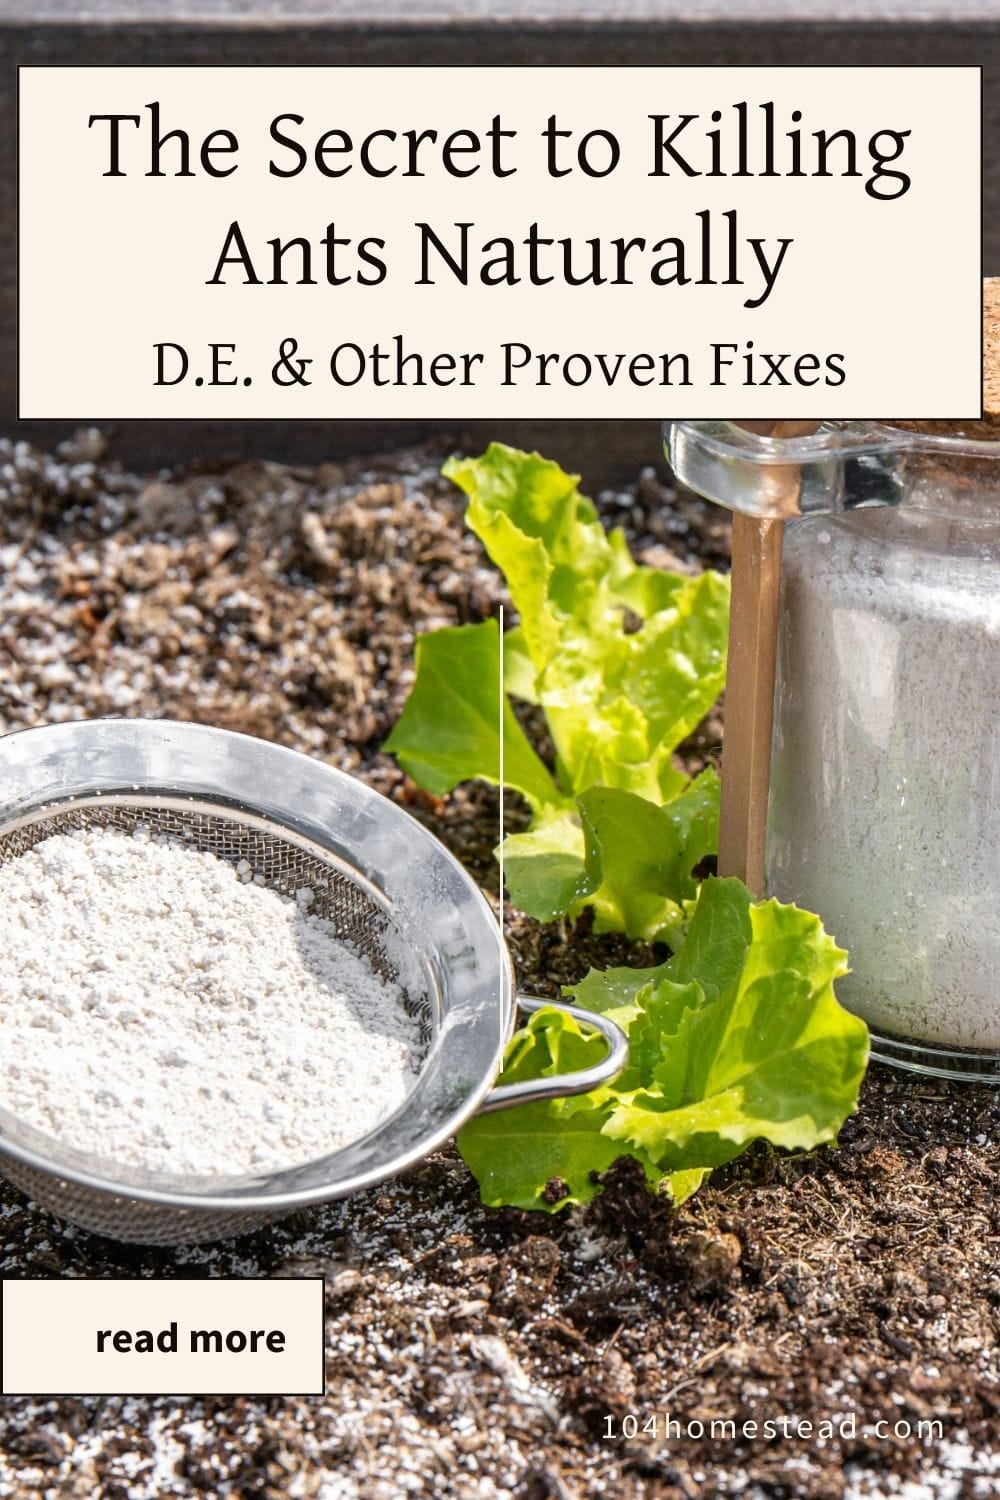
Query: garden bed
x=476, y=1352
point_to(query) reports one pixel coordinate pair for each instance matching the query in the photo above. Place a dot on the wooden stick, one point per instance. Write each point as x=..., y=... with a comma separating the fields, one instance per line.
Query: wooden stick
x=753, y=644
x=753, y=640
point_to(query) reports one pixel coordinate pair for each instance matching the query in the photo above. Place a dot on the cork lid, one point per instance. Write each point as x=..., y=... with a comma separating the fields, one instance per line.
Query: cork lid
x=988, y=427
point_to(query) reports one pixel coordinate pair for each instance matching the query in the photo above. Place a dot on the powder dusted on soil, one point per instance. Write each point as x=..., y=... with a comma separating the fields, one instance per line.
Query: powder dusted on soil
x=162, y=1011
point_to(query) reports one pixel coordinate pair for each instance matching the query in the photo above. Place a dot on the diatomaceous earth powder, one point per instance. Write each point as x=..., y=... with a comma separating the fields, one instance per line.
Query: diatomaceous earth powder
x=885, y=797
x=161, y=1010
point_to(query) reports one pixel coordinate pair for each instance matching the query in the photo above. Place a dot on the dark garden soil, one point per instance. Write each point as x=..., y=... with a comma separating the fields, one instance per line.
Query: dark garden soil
x=473, y=1352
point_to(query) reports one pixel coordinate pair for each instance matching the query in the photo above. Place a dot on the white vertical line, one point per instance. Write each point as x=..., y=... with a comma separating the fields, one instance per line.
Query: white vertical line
x=501, y=709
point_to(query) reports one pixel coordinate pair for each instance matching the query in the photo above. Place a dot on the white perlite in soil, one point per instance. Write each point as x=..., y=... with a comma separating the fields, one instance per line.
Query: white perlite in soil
x=885, y=799
x=164, y=1013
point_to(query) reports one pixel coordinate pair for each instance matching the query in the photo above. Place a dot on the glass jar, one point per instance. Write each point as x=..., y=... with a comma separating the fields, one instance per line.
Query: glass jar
x=883, y=811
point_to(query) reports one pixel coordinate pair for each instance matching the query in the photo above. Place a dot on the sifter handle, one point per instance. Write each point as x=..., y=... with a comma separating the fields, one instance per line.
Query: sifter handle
x=561, y=1084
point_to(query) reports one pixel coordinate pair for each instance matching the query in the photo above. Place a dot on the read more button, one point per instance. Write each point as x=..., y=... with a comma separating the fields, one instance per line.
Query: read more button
x=211, y=1336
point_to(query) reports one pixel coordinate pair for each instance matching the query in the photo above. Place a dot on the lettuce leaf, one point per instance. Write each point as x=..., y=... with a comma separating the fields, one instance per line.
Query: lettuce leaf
x=617, y=700
x=449, y=730
x=639, y=858
x=621, y=854
x=545, y=869
x=738, y=1037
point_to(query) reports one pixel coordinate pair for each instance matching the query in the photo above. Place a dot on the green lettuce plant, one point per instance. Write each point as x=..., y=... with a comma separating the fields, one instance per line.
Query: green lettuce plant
x=738, y=1036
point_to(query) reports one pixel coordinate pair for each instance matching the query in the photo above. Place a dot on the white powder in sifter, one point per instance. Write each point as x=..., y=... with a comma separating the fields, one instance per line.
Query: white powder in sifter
x=161, y=1010
x=885, y=797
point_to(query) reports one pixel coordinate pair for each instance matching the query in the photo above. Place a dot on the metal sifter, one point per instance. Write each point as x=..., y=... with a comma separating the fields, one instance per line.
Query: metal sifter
x=387, y=886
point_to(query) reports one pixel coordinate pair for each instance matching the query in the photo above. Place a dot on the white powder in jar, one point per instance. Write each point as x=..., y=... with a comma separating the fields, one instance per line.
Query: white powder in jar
x=884, y=814
x=161, y=1010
